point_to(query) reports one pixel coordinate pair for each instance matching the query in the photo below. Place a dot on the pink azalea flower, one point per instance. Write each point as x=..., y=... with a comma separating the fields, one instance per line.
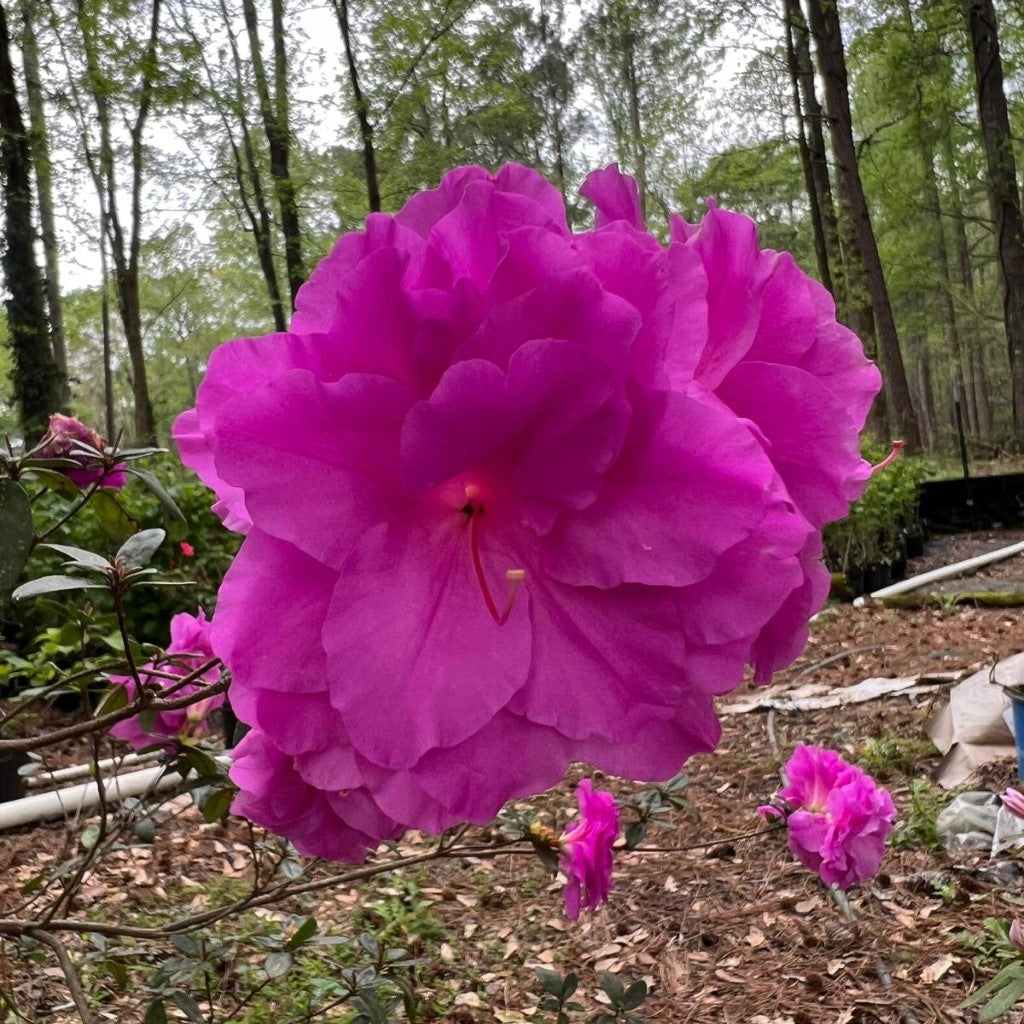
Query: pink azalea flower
x=190, y=636
x=535, y=497
x=60, y=443
x=586, y=847
x=187, y=550
x=1014, y=801
x=839, y=817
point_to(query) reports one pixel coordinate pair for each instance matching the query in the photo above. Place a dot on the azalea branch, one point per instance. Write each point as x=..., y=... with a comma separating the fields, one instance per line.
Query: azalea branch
x=702, y=846
x=75, y=990
x=286, y=890
x=145, y=702
x=70, y=514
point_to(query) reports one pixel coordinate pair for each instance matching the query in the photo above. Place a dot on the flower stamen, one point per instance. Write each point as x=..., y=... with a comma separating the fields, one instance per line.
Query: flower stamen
x=515, y=577
x=897, y=447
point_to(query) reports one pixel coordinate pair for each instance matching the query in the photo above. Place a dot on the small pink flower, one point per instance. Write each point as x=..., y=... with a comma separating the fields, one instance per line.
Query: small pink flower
x=60, y=443
x=839, y=818
x=1017, y=934
x=190, y=635
x=587, y=850
x=1013, y=799
x=187, y=550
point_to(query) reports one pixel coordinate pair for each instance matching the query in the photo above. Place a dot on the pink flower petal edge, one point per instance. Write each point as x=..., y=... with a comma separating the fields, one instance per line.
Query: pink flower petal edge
x=586, y=850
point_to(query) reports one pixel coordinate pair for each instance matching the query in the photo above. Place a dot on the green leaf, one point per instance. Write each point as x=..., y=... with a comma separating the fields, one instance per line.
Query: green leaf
x=80, y=555
x=569, y=986
x=276, y=965
x=612, y=987
x=306, y=930
x=53, y=584
x=635, y=833
x=32, y=884
x=145, y=831
x=158, y=490
x=57, y=482
x=90, y=837
x=155, y=1014
x=114, y=699
x=1003, y=1002
x=635, y=995
x=217, y=806
x=1004, y=977
x=188, y=1006
x=116, y=522
x=16, y=534
x=140, y=548
x=187, y=944
x=550, y=981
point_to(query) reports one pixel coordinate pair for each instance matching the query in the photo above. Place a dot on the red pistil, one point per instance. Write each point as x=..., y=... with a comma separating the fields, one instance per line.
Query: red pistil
x=897, y=447
x=515, y=577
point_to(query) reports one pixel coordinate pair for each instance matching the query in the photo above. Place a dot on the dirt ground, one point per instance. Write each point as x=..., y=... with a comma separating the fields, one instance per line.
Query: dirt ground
x=724, y=926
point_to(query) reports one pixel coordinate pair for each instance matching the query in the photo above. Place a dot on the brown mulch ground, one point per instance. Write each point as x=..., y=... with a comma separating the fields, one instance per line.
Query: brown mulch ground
x=731, y=930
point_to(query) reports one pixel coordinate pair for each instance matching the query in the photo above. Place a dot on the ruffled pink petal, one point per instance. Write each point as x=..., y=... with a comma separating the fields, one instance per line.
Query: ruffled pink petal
x=682, y=457
x=408, y=624
x=615, y=195
x=667, y=287
x=813, y=443
x=334, y=448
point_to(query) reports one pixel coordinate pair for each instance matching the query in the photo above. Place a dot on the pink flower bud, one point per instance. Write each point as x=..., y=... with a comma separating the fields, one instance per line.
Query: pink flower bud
x=1013, y=799
x=59, y=443
x=587, y=850
x=1017, y=934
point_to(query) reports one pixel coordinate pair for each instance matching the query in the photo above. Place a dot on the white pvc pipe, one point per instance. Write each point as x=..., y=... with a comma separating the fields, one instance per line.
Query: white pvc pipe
x=944, y=573
x=74, y=799
x=80, y=771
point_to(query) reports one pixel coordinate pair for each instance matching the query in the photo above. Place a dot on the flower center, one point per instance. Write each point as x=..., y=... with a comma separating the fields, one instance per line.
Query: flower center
x=474, y=509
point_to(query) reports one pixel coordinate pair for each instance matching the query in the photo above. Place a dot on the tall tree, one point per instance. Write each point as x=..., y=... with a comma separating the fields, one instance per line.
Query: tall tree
x=821, y=246
x=274, y=110
x=40, y=144
x=124, y=244
x=38, y=382
x=645, y=60
x=1002, y=182
x=823, y=16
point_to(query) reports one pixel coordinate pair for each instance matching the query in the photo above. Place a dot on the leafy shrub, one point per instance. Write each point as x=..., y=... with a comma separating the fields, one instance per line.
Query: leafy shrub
x=876, y=528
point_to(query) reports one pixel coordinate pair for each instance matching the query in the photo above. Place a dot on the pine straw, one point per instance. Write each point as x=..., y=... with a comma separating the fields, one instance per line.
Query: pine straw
x=731, y=932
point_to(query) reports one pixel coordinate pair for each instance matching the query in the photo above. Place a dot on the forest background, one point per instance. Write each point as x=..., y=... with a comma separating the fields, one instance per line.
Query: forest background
x=174, y=169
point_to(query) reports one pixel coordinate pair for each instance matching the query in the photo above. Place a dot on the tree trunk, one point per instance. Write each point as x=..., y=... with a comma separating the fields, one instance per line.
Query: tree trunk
x=38, y=382
x=246, y=166
x=362, y=114
x=824, y=22
x=274, y=112
x=40, y=143
x=125, y=251
x=817, y=226
x=814, y=122
x=1002, y=182
x=635, y=125
x=977, y=376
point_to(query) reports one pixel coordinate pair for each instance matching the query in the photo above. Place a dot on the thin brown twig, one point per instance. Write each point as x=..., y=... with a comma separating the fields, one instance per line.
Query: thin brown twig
x=70, y=975
x=103, y=722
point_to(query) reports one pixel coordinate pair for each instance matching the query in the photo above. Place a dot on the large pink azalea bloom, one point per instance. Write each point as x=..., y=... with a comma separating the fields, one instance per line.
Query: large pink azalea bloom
x=514, y=496
x=586, y=850
x=62, y=441
x=190, y=644
x=840, y=818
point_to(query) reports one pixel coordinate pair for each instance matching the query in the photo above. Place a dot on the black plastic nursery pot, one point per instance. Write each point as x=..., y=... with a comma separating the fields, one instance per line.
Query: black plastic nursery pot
x=876, y=576
x=12, y=785
x=855, y=579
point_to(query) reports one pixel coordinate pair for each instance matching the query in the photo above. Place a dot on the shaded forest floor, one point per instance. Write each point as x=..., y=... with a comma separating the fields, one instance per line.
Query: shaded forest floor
x=723, y=926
